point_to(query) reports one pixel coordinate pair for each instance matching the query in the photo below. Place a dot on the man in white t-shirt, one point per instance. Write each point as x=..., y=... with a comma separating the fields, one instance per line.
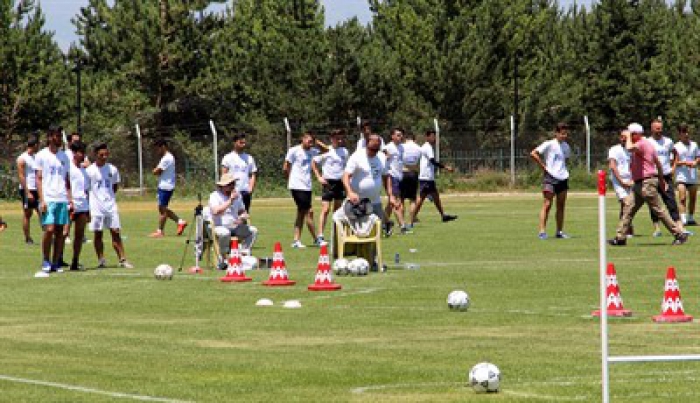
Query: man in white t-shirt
x=74, y=137
x=556, y=177
x=365, y=132
x=80, y=211
x=619, y=163
x=412, y=154
x=104, y=213
x=230, y=218
x=242, y=166
x=297, y=168
x=687, y=157
x=167, y=177
x=426, y=178
x=330, y=175
x=394, y=151
x=26, y=171
x=53, y=185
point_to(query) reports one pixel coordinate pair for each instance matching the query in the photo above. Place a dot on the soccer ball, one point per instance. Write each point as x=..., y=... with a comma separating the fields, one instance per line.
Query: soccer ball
x=458, y=300
x=485, y=377
x=340, y=266
x=249, y=263
x=359, y=267
x=163, y=272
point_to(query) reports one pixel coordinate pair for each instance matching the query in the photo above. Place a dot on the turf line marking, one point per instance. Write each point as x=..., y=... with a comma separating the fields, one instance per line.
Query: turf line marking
x=91, y=390
x=365, y=389
x=346, y=294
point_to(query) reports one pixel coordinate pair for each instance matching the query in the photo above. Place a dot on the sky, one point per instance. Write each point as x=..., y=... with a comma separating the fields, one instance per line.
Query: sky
x=59, y=13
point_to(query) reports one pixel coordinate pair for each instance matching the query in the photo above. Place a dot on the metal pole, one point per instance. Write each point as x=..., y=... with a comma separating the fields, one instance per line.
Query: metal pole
x=65, y=140
x=288, y=128
x=588, y=144
x=78, y=101
x=512, y=150
x=437, y=139
x=140, y=154
x=216, y=150
x=516, y=103
x=602, y=247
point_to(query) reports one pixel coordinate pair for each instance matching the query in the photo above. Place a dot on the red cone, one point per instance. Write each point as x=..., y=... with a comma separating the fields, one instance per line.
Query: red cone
x=278, y=271
x=324, y=275
x=671, y=306
x=235, y=272
x=615, y=307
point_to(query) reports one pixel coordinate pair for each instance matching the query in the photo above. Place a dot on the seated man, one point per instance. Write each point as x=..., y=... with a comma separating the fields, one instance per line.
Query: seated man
x=229, y=217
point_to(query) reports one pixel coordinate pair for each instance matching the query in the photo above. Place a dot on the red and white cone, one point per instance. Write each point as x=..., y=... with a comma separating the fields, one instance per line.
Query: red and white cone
x=671, y=306
x=235, y=272
x=278, y=271
x=324, y=274
x=615, y=307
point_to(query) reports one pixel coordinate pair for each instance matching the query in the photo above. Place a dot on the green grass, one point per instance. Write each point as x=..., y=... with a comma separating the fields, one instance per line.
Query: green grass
x=383, y=338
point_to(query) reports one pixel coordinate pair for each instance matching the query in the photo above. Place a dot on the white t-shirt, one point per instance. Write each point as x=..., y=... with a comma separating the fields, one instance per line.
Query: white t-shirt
x=167, y=178
x=663, y=147
x=230, y=215
x=367, y=175
x=395, y=159
x=54, y=171
x=622, y=158
x=29, y=170
x=687, y=153
x=242, y=167
x=332, y=162
x=103, y=201
x=411, y=154
x=555, y=155
x=427, y=170
x=362, y=144
x=79, y=187
x=300, y=172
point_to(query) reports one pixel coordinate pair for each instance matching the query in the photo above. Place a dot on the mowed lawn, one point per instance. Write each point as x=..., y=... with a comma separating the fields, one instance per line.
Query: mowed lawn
x=120, y=335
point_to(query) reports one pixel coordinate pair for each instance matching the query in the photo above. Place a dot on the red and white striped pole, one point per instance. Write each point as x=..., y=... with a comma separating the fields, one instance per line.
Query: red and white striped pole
x=603, y=284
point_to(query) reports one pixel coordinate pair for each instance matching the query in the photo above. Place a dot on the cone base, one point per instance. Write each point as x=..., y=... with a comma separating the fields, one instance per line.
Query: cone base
x=195, y=270
x=614, y=312
x=672, y=318
x=325, y=287
x=234, y=279
x=278, y=283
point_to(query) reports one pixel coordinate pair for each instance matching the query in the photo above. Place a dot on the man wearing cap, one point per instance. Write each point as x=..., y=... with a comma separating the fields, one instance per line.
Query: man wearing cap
x=229, y=216
x=647, y=174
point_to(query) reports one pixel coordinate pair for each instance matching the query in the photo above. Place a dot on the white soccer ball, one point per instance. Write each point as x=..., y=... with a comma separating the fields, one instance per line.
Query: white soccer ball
x=485, y=377
x=249, y=263
x=340, y=266
x=358, y=267
x=458, y=300
x=163, y=272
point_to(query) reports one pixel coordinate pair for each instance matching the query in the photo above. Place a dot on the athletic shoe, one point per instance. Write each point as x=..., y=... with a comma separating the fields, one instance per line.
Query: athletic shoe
x=563, y=235
x=388, y=228
x=156, y=234
x=542, y=235
x=222, y=266
x=181, y=227
x=448, y=218
x=657, y=234
x=102, y=263
x=63, y=263
x=320, y=241
x=68, y=241
x=125, y=264
x=692, y=222
x=406, y=230
x=298, y=245
x=46, y=266
x=689, y=233
x=617, y=242
x=76, y=267
x=56, y=268
x=680, y=239
x=29, y=241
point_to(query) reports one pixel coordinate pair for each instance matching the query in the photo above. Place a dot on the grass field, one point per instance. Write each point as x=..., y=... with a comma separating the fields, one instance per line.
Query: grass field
x=120, y=335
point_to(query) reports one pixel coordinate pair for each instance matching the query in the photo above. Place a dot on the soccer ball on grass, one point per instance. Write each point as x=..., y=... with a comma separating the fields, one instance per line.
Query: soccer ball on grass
x=458, y=300
x=485, y=377
x=163, y=272
x=359, y=267
x=340, y=266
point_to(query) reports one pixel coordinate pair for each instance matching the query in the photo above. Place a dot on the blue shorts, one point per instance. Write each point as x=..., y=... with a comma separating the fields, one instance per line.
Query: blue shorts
x=395, y=188
x=56, y=214
x=164, y=197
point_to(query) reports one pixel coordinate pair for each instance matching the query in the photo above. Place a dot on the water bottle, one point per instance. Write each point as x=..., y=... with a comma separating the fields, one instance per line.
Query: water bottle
x=397, y=258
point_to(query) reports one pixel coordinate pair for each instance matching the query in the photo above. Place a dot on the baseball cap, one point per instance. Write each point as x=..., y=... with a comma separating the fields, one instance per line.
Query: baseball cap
x=226, y=179
x=635, y=128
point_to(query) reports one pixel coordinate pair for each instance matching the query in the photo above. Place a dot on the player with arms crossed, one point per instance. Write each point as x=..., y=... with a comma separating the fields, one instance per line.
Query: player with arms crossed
x=330, y=176
x=685, y=167
x=242, y=166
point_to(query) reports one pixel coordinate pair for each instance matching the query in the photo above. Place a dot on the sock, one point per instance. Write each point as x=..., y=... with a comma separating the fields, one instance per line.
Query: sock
x=180, y=221
x=684, y=219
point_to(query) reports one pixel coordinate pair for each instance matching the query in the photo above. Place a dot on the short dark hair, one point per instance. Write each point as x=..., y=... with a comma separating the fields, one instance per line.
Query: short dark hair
x=366, y=123
x=238, y=136
x=683, y=128
x=397, y=129
x=561, y=126
x=309, y=133
x=99, y=147
x=54, y=129
x=430, y=132
x=338, y=132
x=32, y=140
x=78, y=146
x=161, y=143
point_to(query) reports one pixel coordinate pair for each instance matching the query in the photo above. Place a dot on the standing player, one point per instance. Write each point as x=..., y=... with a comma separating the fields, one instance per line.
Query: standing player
x=556, y=177
x=26, y=171
x=648, y=177
x=74, y=137
x=104, y=182
x=330, y=176
x=80, y=212
x=666, y=154
x=411, y=168
x=165, y=171
x=426, y=178
x=687, y=156
x=364, y=135
x=394, y=154
x=297, y=168
x=53, y=185
x=242, y=166
x=620, y=176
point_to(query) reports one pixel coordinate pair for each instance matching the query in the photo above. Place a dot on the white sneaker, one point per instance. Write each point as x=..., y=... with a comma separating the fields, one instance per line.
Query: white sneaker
x=657, y=234
x=102, y=263
x=298, y=245
x=68, y=241
x=125, y=264
x=320, y=241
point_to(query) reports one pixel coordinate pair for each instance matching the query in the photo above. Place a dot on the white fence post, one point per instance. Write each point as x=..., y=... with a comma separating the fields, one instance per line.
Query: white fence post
x=602, y=249
x=140, y=154
x=216, y=150
x=512, y=150
x=588, y=144
x=288, y=128
x=437, y=139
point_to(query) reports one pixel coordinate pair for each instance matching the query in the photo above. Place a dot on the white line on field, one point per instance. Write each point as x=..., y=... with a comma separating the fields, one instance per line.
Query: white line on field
x=346, y=294
x=364, y=389
x=91, y=390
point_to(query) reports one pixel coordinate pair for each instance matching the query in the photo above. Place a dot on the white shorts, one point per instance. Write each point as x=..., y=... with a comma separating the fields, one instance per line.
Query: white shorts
x=81, y=205
x=621, y=192
x=100, y=222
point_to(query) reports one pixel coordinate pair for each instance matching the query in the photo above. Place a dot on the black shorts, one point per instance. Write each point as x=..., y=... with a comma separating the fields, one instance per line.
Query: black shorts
x=551, y=184
x=409, y=185
x=26, y=204
x=302, y=198
x=427, y=187
x=334, y=190
x=247, y=198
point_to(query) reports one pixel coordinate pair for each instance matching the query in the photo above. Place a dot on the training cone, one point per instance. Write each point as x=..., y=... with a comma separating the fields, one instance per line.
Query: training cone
x=671, y=306
x=615, y=307
x=278, y=271
x=235, y=272
x=324, y=275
